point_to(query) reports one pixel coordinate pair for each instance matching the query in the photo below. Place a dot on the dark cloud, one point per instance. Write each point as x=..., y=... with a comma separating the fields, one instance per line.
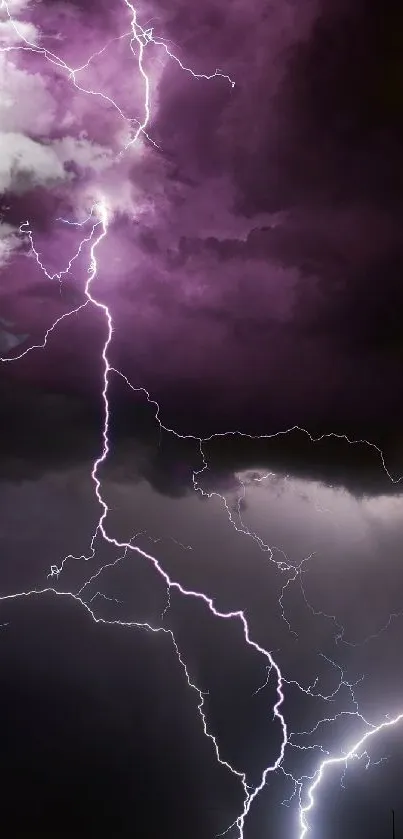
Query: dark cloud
x=287, y=319
x=46, y=432
x=344, y=87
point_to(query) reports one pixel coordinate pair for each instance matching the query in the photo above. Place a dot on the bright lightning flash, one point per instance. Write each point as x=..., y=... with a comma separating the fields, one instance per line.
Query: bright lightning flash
x=356, y=751
x=100, y=218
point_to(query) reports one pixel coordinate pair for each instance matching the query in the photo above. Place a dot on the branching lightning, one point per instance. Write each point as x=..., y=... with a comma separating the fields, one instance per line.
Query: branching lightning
x=354, y=753
x=99, y=219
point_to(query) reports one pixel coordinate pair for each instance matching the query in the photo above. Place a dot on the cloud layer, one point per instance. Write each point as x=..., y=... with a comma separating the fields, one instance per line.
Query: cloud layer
x=253, y=263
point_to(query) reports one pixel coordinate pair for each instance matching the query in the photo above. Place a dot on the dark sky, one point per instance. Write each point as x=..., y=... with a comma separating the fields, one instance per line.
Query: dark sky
x=224, y=190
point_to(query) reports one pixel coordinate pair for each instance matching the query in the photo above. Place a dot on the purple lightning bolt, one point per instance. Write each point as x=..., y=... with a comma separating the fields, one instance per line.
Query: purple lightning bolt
x=100, y=217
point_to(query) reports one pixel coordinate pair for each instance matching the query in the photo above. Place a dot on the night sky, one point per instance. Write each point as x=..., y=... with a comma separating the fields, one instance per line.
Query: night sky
x=201, y=408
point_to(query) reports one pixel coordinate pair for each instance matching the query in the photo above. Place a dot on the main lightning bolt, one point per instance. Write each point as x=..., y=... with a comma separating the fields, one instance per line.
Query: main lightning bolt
x=140, y=38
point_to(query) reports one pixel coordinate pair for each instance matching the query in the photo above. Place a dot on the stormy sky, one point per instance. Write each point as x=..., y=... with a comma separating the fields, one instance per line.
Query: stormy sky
x=200, y=242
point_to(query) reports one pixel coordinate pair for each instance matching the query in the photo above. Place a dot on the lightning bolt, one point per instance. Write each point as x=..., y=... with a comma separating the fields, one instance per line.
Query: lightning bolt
x=138, y=36
x=100, y=218
x=343, y=760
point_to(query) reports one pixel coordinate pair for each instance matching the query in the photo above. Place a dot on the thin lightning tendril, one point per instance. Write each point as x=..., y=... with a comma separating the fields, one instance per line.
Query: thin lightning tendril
x=306, y=786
